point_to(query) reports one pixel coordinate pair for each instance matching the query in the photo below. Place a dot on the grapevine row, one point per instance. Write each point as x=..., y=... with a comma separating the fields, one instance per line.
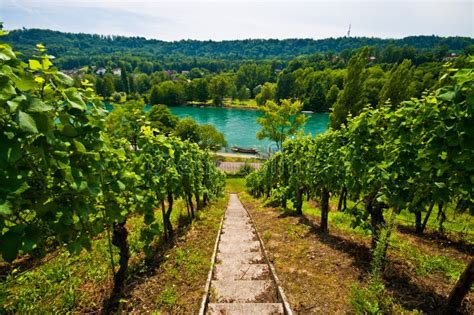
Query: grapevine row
x=410, y=157
x=65, y=179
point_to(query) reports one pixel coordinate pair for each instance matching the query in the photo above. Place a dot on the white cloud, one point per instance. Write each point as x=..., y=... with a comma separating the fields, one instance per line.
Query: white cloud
x=231, y=19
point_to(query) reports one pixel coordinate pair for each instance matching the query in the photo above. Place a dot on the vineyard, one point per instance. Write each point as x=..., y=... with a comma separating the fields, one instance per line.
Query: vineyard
x=410, y=157
x=67, y=181
x=108, y=208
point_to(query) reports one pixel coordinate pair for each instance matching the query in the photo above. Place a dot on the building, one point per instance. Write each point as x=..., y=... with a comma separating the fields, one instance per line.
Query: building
x=101, y=71
x=117, y=71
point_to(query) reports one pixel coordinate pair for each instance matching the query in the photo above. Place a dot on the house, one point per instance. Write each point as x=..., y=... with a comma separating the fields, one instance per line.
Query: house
x=101, y=71
x=372, y=58
x=450, y=57
x=117, y=71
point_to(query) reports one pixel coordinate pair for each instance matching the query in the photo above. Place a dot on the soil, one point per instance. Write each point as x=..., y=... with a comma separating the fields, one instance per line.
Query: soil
x=318, y=270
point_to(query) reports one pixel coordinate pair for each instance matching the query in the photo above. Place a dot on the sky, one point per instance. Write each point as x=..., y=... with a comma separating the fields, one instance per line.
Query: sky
x=234, y=19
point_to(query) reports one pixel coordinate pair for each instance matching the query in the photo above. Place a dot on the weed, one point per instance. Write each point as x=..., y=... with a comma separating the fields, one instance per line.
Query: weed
x=267, y=235
x=427, y=263
x=168, y=296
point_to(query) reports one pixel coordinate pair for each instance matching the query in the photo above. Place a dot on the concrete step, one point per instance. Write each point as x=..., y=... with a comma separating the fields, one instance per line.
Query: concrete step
x=237, y=238
x=244, y=308
x=241, y=272
x=238, y=247
x=240, y=258
x=242, y=291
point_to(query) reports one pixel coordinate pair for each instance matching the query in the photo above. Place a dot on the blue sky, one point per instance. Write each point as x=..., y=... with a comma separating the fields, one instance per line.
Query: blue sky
x=233, y=19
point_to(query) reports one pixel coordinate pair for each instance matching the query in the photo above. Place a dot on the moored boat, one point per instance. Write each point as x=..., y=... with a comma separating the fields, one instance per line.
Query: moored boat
x=244, y=150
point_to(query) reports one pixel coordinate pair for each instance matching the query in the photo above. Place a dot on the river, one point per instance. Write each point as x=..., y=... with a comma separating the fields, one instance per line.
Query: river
x=240, y=125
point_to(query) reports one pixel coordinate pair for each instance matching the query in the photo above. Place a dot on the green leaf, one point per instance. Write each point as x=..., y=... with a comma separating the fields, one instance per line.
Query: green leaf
x=34, y=64
x=74, y=98
x=80, y=147
x=64, y=79
x=35, y=106
x=5, y=208
x=26, y=122
x=440, y=184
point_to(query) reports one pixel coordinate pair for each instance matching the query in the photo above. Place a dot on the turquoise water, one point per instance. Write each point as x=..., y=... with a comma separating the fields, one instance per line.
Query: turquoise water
x=240, y=125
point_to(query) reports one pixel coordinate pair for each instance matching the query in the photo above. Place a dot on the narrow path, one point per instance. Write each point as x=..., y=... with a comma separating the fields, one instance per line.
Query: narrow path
x=242, y=281
x=230, y=167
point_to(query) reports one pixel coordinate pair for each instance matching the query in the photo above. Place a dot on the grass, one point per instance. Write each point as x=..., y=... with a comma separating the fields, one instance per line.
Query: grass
x=177, y=285
x=250, y=103
x=168, y=297
x=432, y=265
x=81, y=282
x=460, y=225
x=426, y=263
x=229, y=102
x=235, y=185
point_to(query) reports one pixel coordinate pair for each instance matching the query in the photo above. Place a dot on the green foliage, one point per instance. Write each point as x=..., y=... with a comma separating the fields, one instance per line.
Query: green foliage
x=68, y=176
x=280, y=121
x=267, y=93
x=161, y=118
x=154, y=55
x=168, y=93
x=220, y=87
x=397, y=86
x=350, y=101
x=405, y=157
x=50, y=133
x=371, y=299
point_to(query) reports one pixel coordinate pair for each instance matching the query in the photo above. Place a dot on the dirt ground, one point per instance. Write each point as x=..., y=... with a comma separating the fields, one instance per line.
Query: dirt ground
x=318, y=271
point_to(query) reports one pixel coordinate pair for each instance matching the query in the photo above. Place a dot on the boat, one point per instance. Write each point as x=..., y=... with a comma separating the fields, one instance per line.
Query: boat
x=244, y=150
x=307, y=112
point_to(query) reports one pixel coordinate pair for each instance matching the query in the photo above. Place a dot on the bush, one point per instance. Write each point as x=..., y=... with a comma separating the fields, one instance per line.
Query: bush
x=371, y=299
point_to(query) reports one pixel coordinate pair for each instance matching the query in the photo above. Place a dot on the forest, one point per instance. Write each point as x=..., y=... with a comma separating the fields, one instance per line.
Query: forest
x=175, y=73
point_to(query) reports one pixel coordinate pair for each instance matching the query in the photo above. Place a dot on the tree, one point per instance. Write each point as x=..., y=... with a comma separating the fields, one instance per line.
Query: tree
x=187, y=129
x=220, y=87
x=373, y=83
x=280, y=121
x=125, y=121
x=125, y=80
x=285, y=86
x=168, y=93
x=332, y=95
x=461, y=288
x=210, y=137
x=397, y=86
x=161, y=118
x=251, y=75
x=243, y=93
x=267, y=93
x=350, y=99
x=199, y=90
x=108, y=87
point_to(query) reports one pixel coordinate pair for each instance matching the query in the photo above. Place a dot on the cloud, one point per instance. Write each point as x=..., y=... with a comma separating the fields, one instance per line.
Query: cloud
x=231, y=19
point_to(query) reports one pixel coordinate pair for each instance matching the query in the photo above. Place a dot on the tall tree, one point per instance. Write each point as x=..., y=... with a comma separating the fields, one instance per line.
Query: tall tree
x=397, y=86
x=350, y=100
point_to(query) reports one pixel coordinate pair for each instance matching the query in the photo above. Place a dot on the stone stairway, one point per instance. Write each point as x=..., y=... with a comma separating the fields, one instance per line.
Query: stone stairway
x=241, y=282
